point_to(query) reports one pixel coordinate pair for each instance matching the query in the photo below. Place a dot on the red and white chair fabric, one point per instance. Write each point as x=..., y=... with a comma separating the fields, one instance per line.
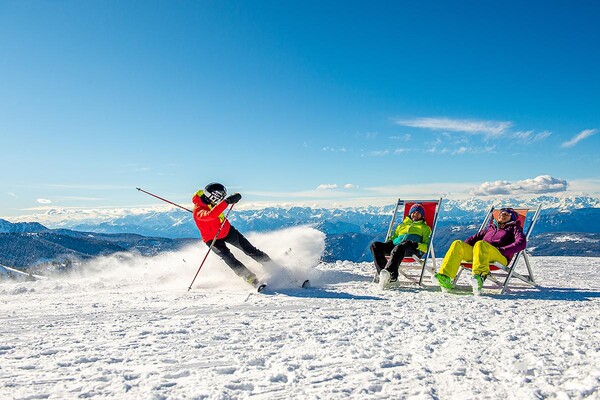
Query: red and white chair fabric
x=501, y=274
x=431, y=208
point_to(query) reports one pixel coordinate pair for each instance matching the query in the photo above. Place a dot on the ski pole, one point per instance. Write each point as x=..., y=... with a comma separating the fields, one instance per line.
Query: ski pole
x=210, y=247
x=165, y=200
x=187, y=209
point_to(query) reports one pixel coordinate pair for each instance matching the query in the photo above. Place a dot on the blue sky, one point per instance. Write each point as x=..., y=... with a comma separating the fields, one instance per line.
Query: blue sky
x=306, y=102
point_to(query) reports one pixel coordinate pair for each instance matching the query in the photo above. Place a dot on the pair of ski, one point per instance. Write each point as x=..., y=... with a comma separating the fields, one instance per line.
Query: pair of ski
x=302, y=284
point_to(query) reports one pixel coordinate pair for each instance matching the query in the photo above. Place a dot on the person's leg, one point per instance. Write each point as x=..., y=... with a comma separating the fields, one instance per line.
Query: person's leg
x=484, y=254
x=235, y=238
x=396, y=256
x=380, y=250
x=221, y=249
x=457, y=252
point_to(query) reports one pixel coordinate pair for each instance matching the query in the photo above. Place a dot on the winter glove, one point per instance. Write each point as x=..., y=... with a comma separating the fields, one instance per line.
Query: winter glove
x=409, y=244
x=234, y=198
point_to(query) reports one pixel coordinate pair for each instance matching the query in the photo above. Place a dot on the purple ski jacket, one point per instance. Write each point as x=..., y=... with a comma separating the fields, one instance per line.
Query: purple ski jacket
x=509, y=240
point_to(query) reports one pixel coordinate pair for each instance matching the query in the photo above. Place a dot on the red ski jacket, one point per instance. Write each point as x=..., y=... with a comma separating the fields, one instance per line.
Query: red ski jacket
x=208, y=218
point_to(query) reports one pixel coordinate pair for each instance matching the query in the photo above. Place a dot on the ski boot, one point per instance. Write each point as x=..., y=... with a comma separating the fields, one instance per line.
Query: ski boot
x=444, y=281
x=253, y=280
x=384, y=278
x=477, y=283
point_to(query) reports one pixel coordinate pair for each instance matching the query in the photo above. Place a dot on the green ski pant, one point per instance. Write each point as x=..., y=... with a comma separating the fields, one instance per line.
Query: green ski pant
x=480, y=255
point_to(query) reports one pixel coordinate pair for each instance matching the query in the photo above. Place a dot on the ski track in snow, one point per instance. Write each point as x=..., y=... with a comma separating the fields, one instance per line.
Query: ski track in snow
x=130, y=330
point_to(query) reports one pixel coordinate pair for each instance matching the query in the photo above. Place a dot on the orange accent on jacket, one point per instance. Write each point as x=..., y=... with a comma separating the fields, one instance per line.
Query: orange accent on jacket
x=208, y=219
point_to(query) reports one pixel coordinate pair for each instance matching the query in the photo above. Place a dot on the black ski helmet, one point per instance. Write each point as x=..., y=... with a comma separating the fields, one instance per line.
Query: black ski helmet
x=215, y=192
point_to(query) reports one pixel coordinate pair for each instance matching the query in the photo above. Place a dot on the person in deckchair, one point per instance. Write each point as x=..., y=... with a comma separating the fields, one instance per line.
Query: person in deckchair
x=502, y=239
x=209, y=204
x=410, y=237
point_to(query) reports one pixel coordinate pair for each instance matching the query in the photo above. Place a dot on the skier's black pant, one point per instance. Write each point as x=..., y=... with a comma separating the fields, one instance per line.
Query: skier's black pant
x=396, y=253
x=238, y=240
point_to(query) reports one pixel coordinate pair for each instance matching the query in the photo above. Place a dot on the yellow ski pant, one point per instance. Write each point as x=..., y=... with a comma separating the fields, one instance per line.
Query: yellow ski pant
x=481, y=255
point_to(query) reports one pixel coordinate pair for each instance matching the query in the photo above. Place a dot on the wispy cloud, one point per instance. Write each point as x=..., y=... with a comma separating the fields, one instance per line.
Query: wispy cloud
x=487, y=128
x=44, y=201
x=327, y=186
x=422, y=190
x=579, y=137
x=82, y=186
x=80, y=198
x=537, y=185
x=381, y=153
x=350, y=186
x=460, y=150
x=334, y=149
x=406, y=137
x=367, y=135
x=531, y=136
x=11, y=194
x=585, y=186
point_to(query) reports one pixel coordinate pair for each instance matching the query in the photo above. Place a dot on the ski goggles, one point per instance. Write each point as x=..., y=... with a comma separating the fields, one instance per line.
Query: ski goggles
x=216, y=196
x=508, y=211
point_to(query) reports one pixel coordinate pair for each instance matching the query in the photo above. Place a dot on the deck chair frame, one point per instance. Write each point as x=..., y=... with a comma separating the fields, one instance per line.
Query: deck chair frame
x=501, y=274
x=415, y=262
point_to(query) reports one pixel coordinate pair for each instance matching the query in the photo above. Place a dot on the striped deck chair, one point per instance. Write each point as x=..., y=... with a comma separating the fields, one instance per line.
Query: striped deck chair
x=500, y=274
x=431, y=208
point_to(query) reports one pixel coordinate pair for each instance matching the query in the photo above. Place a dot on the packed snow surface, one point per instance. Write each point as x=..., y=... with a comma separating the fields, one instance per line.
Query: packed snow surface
x=126, y=327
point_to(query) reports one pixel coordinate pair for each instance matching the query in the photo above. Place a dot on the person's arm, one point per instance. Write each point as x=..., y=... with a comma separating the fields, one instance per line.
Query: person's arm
x=203, y=214
x=519, y=244
x=424, y=244
x=471, y=240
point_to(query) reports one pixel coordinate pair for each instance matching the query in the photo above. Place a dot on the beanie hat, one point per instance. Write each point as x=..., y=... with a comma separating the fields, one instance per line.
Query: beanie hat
x=513, y=213
x=417, y=207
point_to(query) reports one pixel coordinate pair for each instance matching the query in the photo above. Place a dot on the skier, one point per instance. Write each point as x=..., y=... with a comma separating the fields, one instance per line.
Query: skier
x=502, y=239
x=410, y=237
x=209, y=204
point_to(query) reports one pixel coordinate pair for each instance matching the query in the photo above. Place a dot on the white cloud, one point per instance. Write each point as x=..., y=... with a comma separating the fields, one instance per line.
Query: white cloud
x=379, y=153
x=86, y=187
x=327, y=186
x=462, y=150
x=368, y=135
x=422, y=190
x=44, y=201
x=585, y=186
x=11, y=194
x=537, y=185
x=473, y=127
x=405, y=137
x=487, y=128
x=530, y=136
x=334, y=150
x=350, y=186
x=579, y=137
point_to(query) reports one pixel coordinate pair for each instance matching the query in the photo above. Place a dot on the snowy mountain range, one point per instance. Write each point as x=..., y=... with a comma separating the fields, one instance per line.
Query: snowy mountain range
x=567, y=226
x=370, y=219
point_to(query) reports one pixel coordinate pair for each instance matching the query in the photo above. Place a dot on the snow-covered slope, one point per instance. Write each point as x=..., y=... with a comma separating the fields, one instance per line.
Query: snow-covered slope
x=126, y=328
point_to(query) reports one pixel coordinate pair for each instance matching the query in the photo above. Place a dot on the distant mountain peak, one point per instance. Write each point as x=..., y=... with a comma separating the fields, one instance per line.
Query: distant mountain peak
x=21, y=227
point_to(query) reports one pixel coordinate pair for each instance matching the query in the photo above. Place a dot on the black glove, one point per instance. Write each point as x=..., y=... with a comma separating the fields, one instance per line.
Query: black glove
x=409, y=244
x=234, y=198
